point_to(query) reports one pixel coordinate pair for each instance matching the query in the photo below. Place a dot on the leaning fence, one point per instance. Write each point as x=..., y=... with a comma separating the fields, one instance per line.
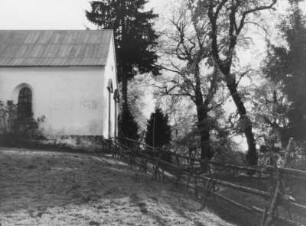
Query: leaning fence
x=198, y=175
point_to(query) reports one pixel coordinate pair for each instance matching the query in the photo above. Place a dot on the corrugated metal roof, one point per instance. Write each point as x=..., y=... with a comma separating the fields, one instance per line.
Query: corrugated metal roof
x=54, y=48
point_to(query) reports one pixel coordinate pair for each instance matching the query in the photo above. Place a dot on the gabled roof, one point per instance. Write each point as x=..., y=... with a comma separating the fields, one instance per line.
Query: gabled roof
x=27, y=48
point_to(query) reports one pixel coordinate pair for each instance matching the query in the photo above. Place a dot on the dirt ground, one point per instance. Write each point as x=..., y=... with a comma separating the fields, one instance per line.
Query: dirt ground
x=53, y=188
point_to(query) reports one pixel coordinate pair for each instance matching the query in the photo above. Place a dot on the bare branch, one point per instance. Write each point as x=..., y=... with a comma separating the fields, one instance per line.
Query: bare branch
x=184, y=54
x=242, y=75
x=169, y=69
x=213, y=16
x=256, y=9
x=257, y=25
x=176, y=67
x=168, y=92
x=212, y=89
x=219, y=7
x=217, y=105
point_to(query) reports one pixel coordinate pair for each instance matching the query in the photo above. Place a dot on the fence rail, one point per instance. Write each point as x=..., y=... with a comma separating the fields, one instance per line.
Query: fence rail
x=146, y=157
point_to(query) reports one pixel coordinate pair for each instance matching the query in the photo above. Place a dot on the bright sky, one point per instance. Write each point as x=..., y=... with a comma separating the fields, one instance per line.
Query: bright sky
x=42, y=14
x=46, y=14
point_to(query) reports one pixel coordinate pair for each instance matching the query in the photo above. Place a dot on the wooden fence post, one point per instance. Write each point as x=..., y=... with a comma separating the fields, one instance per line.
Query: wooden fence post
x=193, y=177
x=274, y=202
x=277, y=191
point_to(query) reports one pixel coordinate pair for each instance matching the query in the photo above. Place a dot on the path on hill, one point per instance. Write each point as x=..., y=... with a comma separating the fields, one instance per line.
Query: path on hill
x=53, y=188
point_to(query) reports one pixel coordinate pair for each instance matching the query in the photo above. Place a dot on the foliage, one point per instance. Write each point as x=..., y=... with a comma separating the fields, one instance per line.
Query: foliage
x=8, y=117
x=270, y=108
x=181, y=112
x=15, y=131
x=133, y=30
x=128, y=125
x=286, y=66
x=224, y=148
x=158, y=129
x=30, y=128
x=229, y=153
x=228, y=21
x=193, y=75
x=140, y=91
x=135, y=42
x=189, y=144
x=297, y=158
x=134, y=35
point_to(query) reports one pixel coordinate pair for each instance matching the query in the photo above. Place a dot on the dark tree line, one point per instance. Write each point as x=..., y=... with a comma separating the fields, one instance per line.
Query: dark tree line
x=287, y=66
x=158, y=129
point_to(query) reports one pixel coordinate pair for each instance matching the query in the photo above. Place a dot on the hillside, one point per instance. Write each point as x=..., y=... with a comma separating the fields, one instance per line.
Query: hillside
x=54, y=188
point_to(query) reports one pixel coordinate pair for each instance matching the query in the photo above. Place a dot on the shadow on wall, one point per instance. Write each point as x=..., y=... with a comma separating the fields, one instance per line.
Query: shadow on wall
x=77, y=143
x=15, y=130
x=33, y=133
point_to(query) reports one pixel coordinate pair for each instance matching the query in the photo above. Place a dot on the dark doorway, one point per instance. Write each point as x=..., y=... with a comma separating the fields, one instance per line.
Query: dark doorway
x=24, y=109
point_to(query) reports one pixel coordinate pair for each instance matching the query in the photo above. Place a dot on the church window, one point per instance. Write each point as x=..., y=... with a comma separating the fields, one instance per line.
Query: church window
x=24, y=109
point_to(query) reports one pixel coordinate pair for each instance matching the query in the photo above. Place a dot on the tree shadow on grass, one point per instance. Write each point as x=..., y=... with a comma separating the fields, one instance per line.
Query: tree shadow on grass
x=232, y=214
x=36, y=181
x=223, y=210
x=32, y=180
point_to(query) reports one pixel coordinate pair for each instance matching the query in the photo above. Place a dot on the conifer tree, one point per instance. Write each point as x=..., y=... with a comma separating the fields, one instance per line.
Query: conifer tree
x=134, y=35
x=128, y=125
x=288, y=67
x=158, y=129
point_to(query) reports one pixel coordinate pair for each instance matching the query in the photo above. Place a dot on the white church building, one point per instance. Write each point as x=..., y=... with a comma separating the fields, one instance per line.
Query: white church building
x=67, y=76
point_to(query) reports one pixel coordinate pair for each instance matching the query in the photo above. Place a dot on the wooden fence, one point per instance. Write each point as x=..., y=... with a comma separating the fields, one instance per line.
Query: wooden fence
x=198, y=175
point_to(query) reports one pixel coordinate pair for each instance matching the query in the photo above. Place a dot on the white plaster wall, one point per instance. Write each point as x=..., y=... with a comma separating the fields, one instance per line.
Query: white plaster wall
x=111, y=73
x=73, y=99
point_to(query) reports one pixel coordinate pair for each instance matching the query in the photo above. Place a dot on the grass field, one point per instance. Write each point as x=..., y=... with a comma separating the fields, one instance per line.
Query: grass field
x=54, y=188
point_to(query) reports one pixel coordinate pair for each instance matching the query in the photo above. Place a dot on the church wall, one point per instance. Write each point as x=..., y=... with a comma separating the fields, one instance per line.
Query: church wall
x=111, y=74
x=73, y=99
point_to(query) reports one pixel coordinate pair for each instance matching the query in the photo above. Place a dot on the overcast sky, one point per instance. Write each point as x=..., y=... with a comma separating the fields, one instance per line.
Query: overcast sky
x=47, y=14
x=58, y=14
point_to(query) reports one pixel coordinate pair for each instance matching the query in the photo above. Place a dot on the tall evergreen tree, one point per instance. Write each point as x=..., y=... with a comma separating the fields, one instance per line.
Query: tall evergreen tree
x=135, y=37
x=288, y=67
x=128, y=126
x=158, y=129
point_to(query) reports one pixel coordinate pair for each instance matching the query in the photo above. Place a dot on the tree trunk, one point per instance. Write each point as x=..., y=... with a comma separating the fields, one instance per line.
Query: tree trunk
x=122, y=62
x=251, y=157
x=204, y=130
x=124, y=89
x=202, y=115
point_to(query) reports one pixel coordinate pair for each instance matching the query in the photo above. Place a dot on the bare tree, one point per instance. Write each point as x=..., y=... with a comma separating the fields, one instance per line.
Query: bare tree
x=190, y=54
x=228, y=19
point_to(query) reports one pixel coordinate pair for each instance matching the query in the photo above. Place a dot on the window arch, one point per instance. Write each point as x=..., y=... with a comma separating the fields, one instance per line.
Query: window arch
x=24, y=106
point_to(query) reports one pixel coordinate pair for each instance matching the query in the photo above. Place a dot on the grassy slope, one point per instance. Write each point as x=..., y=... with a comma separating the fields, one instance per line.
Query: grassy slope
x=52, y=188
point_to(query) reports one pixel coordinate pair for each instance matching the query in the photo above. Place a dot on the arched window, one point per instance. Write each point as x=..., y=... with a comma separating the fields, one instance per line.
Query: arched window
x=24, y=109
